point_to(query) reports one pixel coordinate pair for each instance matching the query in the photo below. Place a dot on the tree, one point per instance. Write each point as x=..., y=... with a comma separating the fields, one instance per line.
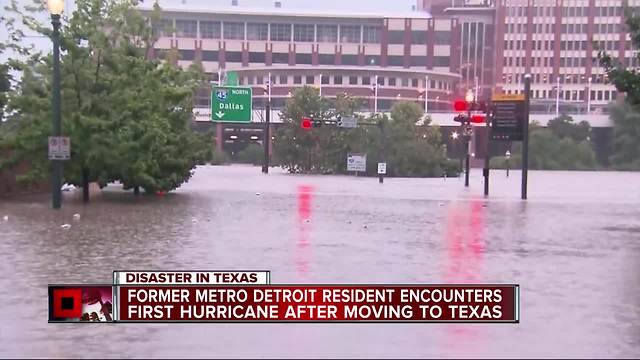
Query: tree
x=128, y=116
x=554, y=148
x=626, y=152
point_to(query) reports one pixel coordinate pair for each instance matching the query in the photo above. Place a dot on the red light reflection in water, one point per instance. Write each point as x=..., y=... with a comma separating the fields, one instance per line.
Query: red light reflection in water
x=465, y=237
x=303, y=245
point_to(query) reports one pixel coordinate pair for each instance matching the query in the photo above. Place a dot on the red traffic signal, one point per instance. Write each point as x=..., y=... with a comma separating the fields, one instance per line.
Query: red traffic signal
x=478, y=118
x=460, y=105
x=306, y=123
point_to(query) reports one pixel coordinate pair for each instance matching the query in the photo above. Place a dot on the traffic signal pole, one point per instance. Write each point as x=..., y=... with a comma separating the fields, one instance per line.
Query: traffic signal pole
x=466, y=146
x=487, y=159
x=525, y=133
x=267, y=139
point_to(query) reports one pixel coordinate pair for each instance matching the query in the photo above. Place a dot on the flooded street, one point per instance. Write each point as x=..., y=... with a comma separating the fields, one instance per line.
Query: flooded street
x=574, y=247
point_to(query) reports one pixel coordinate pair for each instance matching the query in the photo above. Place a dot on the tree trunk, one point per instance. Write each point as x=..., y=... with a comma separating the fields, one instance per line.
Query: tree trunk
x=85, y=185
x=136, y=190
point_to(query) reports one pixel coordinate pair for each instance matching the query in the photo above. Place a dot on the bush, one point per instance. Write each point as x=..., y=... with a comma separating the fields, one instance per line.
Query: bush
x=218, y=157
x=252, y=154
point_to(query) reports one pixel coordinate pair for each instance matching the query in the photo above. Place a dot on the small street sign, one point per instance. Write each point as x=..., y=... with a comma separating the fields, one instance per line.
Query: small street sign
x=348, y=122
x=357, y=162
x=382, y=168
x=231, y=104
x=507, y=122
x=59, y=148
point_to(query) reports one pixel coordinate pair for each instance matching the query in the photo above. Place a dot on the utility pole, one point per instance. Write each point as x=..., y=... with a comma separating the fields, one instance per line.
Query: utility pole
x=382, y=148
x=525, y=131
x=56, y=178
x=375, y=95
x=266, y=140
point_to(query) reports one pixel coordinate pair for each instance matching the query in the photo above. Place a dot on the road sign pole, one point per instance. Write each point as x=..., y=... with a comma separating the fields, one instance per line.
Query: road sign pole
x=56, y=176
x=266, y=139
x=525, y=133
x=487, y=159
x=382, y=146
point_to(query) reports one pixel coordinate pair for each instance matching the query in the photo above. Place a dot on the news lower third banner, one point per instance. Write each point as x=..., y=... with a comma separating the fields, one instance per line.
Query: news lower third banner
x=249, y=296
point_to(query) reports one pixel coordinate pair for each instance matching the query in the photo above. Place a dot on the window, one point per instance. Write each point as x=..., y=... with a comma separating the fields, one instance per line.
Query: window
x=280, y=32
x=366, y=80
x=310, y=80
x=303, y=59
x=325, y=79
x=327, y=33
x=443, y=37
x=353, y=80
x=257, y=31
x=372, y=60
x=337, y=80
x=210, y=29
x=187, y=54
x=414, y=82
x=303, y=32
x=233, y=56
x=327, y=59
x=405, y=82
x=371, y=34
x=280, y=58
x=349, y=59
x=418, y=61
x=395, y=60
x=257, y=57
x=350, y=34
x=284, y=79
x=418, y=37
x=208, y=55
x=392, y=81
x=441, y=61
x=381, y=80
x=233, y=30
x=396, y=37
x=297, y=79
x=186, y=28
x=163, y=27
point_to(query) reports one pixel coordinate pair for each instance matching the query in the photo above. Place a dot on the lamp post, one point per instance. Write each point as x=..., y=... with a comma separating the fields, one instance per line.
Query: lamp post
x=426, y=95
x=507, y=156
x=375, y=95
x=469, y=98
x=266, y=139
x=55, y=9
x=589, y=97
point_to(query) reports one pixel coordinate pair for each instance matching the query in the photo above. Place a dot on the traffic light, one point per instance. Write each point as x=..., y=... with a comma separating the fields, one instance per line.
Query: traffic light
x=306, y=123
x=478, y=118
x=460, y=105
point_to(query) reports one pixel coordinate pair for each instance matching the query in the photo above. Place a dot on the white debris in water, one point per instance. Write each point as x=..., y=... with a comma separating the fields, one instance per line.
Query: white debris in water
x=441, y=204
x=258, y=193
x=65, y=226
x=6, y=218
x=307, y=220
x=76, y=216
x=194, y=220
x=364, y=226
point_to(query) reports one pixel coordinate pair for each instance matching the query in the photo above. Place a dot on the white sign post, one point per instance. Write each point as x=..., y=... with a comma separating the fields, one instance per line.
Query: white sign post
x=357, y=162
x=382, y=168
x=59, y=148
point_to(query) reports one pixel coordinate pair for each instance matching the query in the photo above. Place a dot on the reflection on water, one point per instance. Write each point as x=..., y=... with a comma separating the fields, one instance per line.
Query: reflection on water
x=574, y=247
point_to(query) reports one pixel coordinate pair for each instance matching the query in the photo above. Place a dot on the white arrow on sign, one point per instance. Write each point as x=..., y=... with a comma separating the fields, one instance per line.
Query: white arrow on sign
x=220, y=114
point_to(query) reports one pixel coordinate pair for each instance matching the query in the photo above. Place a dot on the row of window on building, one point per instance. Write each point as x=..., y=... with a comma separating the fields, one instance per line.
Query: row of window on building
x=564, y=45
x=564, y=28
x=567, y=11
x=307, y=59
x=570, y=95
x=390, y=81
x=228, y=30
x=546, y=61
x=550, y=79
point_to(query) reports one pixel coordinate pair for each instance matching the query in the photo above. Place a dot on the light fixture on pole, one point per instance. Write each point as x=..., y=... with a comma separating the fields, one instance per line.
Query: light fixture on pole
x=558, y=96
x=375, y=95
x=55, y=9
x=589, y=97
x=426, y=94
x=320, y=88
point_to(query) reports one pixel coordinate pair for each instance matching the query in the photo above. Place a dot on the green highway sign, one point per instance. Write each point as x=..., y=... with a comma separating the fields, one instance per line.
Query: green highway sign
x=231, y=104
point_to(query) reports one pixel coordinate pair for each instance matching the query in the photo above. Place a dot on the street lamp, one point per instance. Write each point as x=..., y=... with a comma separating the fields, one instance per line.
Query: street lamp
x=507, y=156
x=55, y=9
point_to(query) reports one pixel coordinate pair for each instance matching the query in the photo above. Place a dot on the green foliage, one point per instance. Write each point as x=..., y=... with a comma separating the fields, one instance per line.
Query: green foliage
x=561, y=146
x=626, y=133
x=128, y=116
x=252, y=154
x=408, y=147
x=626, y=151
